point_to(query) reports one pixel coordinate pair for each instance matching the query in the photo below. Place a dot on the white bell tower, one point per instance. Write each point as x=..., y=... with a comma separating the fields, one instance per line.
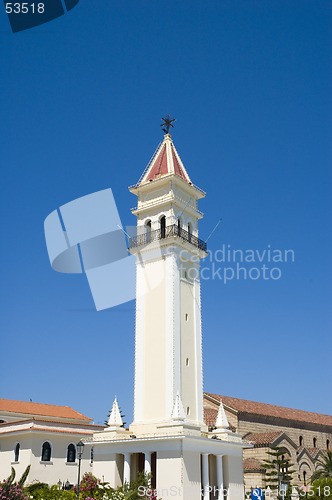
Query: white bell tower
x=168, y=438
x=168, y=348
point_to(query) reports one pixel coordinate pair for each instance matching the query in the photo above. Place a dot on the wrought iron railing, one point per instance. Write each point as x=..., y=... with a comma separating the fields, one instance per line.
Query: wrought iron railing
x=166, y=232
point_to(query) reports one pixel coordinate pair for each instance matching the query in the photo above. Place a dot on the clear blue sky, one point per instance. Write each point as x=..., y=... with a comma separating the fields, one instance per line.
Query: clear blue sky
x=81, y=99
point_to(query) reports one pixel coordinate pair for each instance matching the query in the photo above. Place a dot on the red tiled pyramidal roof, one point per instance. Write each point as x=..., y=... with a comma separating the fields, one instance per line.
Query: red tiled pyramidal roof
x=242, y=406
x=30, y=408
x=165, y=161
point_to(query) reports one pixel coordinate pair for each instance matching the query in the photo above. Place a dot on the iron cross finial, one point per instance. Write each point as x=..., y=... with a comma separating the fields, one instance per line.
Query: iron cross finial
x=167, y=124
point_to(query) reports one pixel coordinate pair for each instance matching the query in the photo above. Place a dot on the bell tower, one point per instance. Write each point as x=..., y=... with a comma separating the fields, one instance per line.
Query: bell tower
x=168, y=439
x=168, y=346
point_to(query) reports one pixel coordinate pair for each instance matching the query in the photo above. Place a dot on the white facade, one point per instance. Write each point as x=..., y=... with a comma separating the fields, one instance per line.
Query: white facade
x=24, y=434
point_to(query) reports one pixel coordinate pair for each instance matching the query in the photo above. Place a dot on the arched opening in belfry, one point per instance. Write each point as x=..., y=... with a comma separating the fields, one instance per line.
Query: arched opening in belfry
x=148, y=230
x=163, y=226
x=179, y=225
x=189, y=231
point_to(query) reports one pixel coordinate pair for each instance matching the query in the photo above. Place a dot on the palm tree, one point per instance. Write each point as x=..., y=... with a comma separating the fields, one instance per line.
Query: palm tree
x=323, y=466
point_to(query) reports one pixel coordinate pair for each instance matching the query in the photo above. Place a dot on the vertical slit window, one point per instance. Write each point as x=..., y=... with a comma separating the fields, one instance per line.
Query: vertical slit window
x=189, y=232
x=148, y=230
x=17, y=453
x=163, y=226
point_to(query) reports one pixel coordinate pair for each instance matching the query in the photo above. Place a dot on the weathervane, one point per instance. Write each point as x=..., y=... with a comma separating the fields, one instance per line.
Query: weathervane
x=167, y=123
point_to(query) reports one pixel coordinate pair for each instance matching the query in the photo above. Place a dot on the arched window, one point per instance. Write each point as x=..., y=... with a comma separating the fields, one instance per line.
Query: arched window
x=189, y=231
x=148, y=230
x=71, y=453
x=46, y=452
x=163, y=226
x=17, y=453
x=304, y=476
x=301, y=440
x=327, y=444
x=315, y=442
x=179, y=226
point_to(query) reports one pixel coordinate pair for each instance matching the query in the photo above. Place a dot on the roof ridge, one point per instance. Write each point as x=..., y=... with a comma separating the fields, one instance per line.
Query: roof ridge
x=221, y=397
x=43, y=409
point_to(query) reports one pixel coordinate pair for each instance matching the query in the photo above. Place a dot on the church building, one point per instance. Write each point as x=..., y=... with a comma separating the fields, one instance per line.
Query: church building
x=303, y=436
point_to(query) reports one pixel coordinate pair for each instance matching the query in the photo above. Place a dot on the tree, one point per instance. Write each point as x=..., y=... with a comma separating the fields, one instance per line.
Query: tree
x=323, y=466
x=320, y=489
x=278, y=471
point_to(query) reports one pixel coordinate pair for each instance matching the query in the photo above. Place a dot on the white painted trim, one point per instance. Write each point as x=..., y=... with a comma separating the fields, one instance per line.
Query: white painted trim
x=139, y=344
x=199, y=362
x=169, y=340
x=220, y=477
x=177, y=328
x=205, y=476
x=126, y=467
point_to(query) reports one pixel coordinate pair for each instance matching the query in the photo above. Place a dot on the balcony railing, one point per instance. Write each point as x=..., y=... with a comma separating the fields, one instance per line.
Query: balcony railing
x=166, y=232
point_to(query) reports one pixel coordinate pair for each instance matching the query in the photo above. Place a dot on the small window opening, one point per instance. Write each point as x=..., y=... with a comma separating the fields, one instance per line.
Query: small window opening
x=71, y=453
x=179, y=226
x=315, y=442
x=188, y=410
x=327, y=444
x=189, y=231
x=163, y=227
x=187, y=362
x=148, y=230
x=17, y=453
x=46, y=452
x=187, y=316
x=301, y=440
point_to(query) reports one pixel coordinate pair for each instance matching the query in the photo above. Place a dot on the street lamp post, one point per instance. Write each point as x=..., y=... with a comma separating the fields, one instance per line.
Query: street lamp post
x=80, y=447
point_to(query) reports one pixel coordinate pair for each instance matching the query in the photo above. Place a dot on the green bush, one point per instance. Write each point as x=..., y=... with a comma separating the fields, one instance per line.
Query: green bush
x=41, y=491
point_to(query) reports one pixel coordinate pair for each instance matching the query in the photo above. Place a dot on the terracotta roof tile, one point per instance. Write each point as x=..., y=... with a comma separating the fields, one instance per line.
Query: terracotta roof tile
x=29, y=408
x=243, y=406
x=210, y=417
x=160, y=167
x=313, y=452
x=252, y=464
x=165, y=161
x=177, y=167
x=262, y=438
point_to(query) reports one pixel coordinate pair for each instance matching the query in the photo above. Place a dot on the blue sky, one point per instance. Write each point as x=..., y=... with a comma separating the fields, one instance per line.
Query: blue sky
x=249, y=83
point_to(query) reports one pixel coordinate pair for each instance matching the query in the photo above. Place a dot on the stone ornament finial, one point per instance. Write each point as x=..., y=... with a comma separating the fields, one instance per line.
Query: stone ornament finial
x=222, y=421
x=115, y=419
